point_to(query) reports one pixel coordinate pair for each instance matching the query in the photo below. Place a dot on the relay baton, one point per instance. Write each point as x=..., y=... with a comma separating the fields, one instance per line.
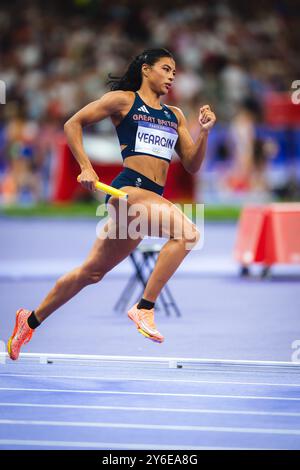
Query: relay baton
x=109, y=190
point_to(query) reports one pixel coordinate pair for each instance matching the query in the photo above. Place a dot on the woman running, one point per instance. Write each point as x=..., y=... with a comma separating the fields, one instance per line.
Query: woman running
x=148, y=132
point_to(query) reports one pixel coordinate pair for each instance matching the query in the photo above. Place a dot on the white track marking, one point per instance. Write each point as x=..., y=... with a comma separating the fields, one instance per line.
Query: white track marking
x=140, y=379
x=151, y=409
x=112, y=445
x=156, y=427
x=157, y=394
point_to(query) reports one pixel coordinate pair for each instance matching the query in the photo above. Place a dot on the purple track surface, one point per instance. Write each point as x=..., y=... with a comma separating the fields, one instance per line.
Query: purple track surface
x=126, y=406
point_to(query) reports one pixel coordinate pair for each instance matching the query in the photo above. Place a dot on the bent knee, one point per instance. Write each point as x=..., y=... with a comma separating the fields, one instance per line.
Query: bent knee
x=191, y=237
x=90, y=274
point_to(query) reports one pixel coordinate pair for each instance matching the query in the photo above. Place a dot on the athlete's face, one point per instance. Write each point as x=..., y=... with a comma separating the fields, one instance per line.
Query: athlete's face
x=161, y=75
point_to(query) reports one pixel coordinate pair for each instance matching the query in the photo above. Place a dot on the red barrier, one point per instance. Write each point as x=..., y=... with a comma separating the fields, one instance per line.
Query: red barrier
x=269, y=234
x=180, y=184
x=279, y=110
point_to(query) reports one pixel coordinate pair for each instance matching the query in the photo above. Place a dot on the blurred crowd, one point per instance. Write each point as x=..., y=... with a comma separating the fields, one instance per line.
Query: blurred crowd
x=55, y=58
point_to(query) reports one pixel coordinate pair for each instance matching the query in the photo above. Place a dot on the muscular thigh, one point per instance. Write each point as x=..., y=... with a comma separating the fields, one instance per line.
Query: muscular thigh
x=158, y=216
x=163, y=217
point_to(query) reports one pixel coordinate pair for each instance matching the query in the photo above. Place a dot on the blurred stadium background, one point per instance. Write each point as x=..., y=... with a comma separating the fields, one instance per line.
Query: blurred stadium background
x=240, y=58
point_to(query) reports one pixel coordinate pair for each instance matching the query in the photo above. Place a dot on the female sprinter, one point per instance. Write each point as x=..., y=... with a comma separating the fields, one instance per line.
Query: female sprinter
x=143, y=125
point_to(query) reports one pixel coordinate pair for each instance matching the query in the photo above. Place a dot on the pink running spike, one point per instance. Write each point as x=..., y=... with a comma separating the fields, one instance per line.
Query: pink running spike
x=144, y=320
x=22, y=334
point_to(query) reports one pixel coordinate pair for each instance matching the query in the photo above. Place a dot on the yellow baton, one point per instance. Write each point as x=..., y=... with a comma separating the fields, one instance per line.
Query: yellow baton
x=110, y=190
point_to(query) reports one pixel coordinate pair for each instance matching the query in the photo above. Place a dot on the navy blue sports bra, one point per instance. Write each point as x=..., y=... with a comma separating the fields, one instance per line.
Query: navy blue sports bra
x=148, y=131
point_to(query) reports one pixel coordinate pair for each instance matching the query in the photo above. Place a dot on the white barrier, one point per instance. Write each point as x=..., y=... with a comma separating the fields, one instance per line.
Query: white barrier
x=170, y=362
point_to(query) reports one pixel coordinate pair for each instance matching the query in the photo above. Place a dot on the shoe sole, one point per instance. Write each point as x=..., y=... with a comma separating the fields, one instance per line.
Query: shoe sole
x=9, y=347
x=148, y=336
x=143, y=332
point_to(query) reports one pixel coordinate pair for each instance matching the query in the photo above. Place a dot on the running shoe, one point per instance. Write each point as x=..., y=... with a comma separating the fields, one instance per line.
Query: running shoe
x=22, y=334
x=144, y=320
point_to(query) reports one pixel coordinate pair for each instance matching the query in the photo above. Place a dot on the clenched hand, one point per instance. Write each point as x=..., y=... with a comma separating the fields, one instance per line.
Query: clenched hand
x=88, y=178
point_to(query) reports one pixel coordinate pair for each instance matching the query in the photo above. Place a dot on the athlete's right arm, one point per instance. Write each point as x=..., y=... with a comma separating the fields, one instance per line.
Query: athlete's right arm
x=112, y=103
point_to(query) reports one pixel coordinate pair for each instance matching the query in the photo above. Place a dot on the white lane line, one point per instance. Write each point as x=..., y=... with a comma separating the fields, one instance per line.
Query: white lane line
x=156, y=427
x=139, y=379
x=113, y=445
x=151, y=409
x=152, y=394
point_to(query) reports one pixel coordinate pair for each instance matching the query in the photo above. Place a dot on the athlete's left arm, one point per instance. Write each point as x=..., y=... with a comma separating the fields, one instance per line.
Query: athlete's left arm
x=192, y=153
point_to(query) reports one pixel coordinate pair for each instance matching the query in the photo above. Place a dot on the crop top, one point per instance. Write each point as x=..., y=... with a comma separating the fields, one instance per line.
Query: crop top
x=148, y=131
